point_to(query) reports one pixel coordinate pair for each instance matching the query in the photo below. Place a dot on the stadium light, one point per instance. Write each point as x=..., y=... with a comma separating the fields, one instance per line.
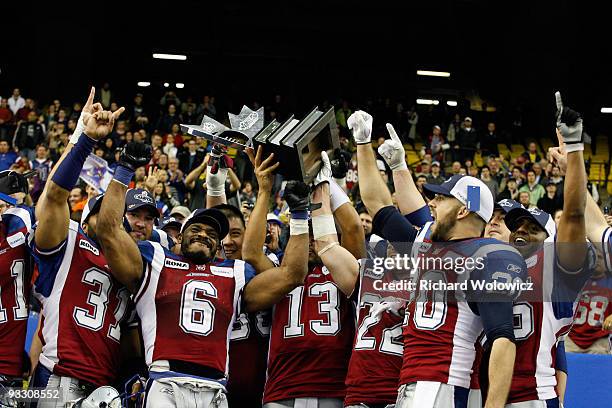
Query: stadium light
x=178, y=57
x=433, y=73
x=144, y=84
x=451, y=103
x=427, y=101
x=180, y=85
x=606, y=110
x=166, y=84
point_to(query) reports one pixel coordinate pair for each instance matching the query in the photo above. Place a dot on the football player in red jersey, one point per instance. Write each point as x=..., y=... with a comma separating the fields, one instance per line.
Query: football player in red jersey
x=312, y=327
x=15, y=273
x=189, y=302
x=83, y=306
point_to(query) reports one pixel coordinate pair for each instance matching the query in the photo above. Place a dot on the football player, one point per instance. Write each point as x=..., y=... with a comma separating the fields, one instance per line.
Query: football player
x=312, y=326
x=187, y=303
x=15, y=273
x=83, y=305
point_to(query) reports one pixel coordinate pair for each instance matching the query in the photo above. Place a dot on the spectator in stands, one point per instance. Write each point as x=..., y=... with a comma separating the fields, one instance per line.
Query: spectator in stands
x=273, y=237
x=485, y=176
x=248, y=193
x=171, y=117
x=551, y=202
x=413, y=121
x=435, y=177
x=420, y=182
x=24, y=111
x=190, y=159
x=536, y=191
x=77, y=199
x=137, y=115
x=455, y=168
x=169, y=148
x=435, y=143
x=467, y=140
x=539, y=174
x=425, y=169
x=489, y=141
x=524, y=199
x=592, y=326
x=531, y=155
x=7, y=157
x=207, y=107
x=517, y=174
x=176, y=179
x=6, y=117
x=106, y=95
x=453, y=130
x=557, y=217
x=29, y=135
x=558, y=180
x=510, y=192
x=16, y=101
x=190, y=116
x=162, y=162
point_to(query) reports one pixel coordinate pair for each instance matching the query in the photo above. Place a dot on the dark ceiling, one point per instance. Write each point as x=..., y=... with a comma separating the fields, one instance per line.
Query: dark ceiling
x=516, y=53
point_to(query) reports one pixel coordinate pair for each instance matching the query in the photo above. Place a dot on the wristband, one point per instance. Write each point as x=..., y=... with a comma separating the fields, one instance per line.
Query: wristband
x=327, y=248
x=298, y=226
x=299, y=215
x=323, y=225
x=123, y=175
x=337, y=196
x=69, y=170
x=574, y=147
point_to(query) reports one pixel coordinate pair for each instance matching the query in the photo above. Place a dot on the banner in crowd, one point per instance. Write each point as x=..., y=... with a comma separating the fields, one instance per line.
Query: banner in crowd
x=96, y=173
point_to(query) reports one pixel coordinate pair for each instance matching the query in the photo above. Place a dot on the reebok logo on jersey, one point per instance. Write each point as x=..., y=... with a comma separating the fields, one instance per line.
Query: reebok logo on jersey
x=222, y=271
x=171, y=263
x=87, y=246
x=16, y=239
x=514, y=268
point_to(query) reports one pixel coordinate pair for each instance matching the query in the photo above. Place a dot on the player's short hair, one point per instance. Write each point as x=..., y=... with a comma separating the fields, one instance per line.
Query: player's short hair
x=231, y=211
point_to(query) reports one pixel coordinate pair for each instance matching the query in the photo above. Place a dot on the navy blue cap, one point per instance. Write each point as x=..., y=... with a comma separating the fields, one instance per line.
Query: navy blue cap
x=92, y=207
x=209, y=216
x=507, y=205
x=542, y=218
x=138, y=198
x=170, y=222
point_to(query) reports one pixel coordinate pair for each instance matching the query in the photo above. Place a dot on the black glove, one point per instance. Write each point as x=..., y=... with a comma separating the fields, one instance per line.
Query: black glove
x=339, y=164
x=134, y=155
x=12, y=182
x=297, y=196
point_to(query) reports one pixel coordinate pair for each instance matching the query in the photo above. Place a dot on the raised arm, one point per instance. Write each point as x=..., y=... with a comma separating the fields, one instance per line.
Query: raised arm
x=270, y=286
x=52, y=211
x=374, y=192
x=255, y=234
x=120, y=250
x=215, y=182
x=572, y=226
x=341, y=263
x=408, y=197
x=190, y=180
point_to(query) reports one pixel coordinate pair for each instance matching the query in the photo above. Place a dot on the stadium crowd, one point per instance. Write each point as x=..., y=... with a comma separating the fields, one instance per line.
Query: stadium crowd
x=171, y=185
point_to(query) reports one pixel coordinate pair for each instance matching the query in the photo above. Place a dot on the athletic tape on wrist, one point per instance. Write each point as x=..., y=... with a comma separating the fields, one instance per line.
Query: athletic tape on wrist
x=327, y=248
x=68, y=171
x=80, y=128
x=323, y=225
x=298, y=226
x=574, y=147
x=337, y=196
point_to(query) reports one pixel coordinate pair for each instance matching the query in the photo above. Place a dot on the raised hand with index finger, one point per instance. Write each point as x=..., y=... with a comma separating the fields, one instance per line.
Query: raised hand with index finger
x=569, y=124
x=99, y=124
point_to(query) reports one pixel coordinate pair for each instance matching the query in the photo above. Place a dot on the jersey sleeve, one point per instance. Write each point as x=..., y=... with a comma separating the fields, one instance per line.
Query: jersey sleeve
x=161, y=237
x=420, y=217
x=568, y=284
x=392, y=226
x=48, y=262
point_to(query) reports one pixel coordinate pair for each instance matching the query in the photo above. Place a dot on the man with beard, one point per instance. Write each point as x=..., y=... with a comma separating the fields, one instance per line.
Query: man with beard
x=312, y=327
x=560, y=262
x=189, y=302
x=437, y=368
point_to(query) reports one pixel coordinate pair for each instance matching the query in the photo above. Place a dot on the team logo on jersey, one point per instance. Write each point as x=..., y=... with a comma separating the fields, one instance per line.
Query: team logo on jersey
x=16, y=239
x=228, y=272
x=174, y=264
x=200, y=267
x=514, y=268
x=83, y=243
x=143, y=197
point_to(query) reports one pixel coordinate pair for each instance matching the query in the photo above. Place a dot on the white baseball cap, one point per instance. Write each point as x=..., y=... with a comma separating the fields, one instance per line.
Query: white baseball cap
x=470, y=191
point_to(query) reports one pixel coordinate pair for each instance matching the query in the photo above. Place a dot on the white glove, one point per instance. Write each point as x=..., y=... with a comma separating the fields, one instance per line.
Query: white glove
x=360, y=123
x=569, y=124
x=215, y=183
x=325, y=173
x=393, y=151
